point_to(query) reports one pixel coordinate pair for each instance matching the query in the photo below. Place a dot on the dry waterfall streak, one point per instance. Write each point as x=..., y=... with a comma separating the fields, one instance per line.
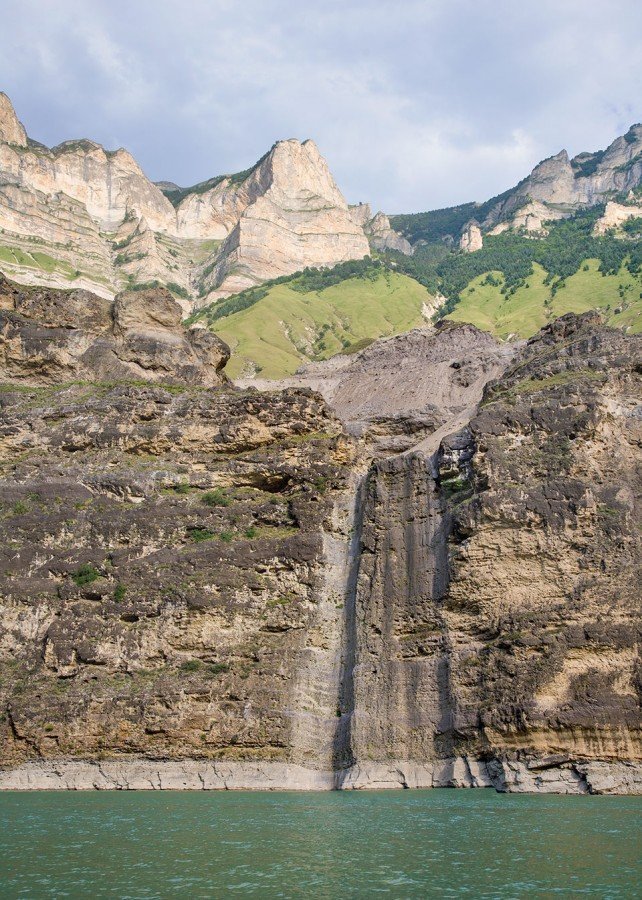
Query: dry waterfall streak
x=319, y=717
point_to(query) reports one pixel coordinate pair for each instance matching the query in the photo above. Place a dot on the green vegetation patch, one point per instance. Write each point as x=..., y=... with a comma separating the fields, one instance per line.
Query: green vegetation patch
x=85, y=574
x=35, y=259
x=191, y=665
x=217, y=497
x=199, y=534
x=289, y=325
x=522, y=311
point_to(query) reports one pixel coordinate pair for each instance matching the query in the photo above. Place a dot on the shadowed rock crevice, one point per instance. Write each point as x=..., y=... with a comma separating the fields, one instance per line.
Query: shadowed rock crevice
x=343, y=756
x=399, y=635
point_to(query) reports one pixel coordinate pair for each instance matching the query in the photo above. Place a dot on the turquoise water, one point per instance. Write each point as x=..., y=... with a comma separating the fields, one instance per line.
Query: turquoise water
x=440, y=843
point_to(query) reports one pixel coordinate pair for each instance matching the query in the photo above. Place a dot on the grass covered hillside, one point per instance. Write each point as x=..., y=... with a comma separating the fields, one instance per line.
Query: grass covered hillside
x=487, y=303
x=516, y=283
x=273, y=329
x=511, y=287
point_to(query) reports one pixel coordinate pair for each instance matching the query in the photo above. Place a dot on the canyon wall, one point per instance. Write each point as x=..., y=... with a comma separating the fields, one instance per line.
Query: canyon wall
x=215, y=587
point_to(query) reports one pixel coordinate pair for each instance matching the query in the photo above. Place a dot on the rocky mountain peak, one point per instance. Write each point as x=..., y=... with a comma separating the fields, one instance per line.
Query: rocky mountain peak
x=622, y=151
x=297, y=169
x=94, y=211
x=559, y=186
x=288, y=213
x=11, y=129
x=553, y=167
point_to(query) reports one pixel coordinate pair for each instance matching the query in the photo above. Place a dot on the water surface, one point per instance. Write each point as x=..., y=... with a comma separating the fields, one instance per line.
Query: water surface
x=440, y=843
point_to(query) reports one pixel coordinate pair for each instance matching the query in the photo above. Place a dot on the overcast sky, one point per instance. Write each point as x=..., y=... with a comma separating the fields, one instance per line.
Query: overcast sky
x=416, y=104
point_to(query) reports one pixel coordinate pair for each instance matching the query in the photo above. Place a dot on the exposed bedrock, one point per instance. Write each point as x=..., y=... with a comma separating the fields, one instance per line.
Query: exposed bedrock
x=79, y=213
x=209, y=587
x=400, y=704
x=53, y=336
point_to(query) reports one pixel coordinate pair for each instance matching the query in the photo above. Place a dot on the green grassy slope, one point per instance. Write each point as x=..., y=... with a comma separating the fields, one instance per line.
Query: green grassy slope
x=286, y=327
x=532, y=304
x=511, y=287
x=35, y=259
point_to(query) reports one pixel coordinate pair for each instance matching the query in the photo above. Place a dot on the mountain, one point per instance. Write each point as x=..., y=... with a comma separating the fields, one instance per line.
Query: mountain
x=512, y=285
x=416, y=566
x=556, y=188
x=567, y=238
x=79, y=214
x=559, y=186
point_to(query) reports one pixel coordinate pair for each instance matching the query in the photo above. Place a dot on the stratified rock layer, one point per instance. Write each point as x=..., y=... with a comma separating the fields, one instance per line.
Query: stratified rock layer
x=78, y=213
x=296, y=217
x=543, y=607
x=497, y=611
x=217, y=588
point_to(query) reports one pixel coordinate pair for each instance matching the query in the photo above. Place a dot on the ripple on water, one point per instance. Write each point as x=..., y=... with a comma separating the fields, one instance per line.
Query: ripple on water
x=398, y=844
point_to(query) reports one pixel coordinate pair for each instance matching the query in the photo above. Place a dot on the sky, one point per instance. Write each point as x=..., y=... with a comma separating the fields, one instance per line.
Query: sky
x=416, y=104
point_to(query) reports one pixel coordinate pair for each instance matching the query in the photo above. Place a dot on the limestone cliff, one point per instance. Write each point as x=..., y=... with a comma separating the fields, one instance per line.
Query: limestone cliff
x=379, y=231
x=559, y=185
x=295, y=217
x=471, y=238
x=215, y=587
x=615, y=215
x=80, y=214
x=11, y=130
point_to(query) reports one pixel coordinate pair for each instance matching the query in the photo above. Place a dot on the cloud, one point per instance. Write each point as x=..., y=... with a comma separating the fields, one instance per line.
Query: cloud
x=415, y=103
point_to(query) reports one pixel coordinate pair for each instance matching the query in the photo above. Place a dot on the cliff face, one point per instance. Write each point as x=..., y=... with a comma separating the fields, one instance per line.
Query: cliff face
x=78, y=213
x=545, y=551
x=379, y=231
x=560, y=185
x=471, y=238
x=296, y=217
x=163, y=550
x=615, y=215
x=212, y=587
x=11, y=130
x=497, y=611
x=49, y=337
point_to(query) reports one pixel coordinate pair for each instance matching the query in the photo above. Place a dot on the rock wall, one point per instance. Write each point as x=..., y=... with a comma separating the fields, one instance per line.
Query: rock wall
x=399, y=701
x=543, y=606
x=78, y=213
x=615, y=215
x=49, y=336
x=221, y=588
x=471, y=239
